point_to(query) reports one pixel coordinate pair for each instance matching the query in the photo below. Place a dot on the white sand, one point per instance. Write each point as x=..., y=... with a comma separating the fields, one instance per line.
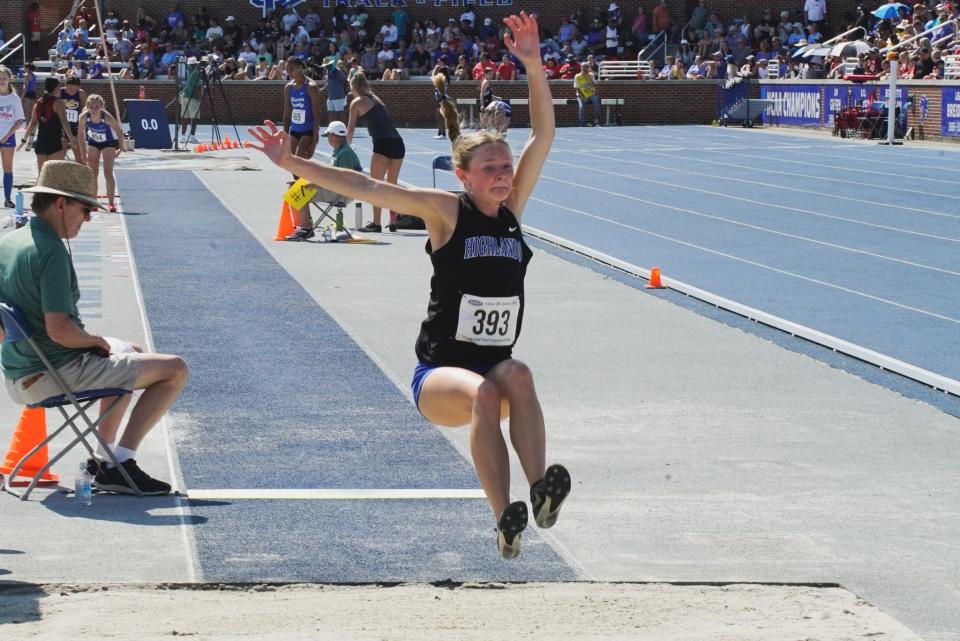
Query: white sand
x=554, y=611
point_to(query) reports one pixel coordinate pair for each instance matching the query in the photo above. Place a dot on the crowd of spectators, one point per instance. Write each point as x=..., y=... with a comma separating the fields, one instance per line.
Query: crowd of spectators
x=714, y=46
x=399, y=46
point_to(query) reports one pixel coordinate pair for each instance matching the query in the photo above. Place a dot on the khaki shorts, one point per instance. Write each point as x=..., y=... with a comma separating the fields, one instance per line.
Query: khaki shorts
x=189, y=107
x=88, y=372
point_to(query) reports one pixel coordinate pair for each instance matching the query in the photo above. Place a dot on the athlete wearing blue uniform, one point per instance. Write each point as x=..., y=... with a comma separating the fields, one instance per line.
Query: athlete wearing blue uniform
x=99, y=137
x=301, y=112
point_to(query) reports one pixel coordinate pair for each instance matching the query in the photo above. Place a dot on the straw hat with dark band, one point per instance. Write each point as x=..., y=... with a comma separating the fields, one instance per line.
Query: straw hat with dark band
x=65, y=178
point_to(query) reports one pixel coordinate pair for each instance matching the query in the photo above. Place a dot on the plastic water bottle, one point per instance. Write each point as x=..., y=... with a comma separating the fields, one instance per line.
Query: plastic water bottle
x=327, y=237
x=18, y=215
x=358, y=217
x=339, y=220
x=82, y=486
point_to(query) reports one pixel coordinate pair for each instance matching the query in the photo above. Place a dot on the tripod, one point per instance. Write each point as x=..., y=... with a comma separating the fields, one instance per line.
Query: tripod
x=211, y=79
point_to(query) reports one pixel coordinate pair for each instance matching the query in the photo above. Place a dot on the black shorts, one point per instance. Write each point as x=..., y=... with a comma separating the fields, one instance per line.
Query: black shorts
x=392, y=148
x=297, y=135
x=32, y=95
x=45, y=146
x=103, y=145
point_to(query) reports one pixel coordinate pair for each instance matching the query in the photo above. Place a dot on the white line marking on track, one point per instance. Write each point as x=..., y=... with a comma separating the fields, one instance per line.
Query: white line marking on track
x=754, y=202
x=861, y=185
x=744, y=260
x=194, y=572
x=336, y=494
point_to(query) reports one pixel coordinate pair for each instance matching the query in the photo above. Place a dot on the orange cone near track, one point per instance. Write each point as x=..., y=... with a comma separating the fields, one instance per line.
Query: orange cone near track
x=655, y=279
x=31, y=429
x=287, y=225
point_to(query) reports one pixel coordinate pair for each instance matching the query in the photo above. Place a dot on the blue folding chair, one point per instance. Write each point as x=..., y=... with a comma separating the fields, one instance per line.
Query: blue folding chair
x=16, y=328
x=441, y=163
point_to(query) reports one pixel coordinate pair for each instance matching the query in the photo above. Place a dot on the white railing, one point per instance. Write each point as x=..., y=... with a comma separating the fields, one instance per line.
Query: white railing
x=919, y=36
x=844, y=35
x=951, y=67
x=14, y=49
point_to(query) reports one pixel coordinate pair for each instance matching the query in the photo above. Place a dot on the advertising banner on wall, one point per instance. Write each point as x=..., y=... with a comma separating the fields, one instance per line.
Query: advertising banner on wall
x=794, y=105
x=835, y=99
x=950, y=112
x=863, y=94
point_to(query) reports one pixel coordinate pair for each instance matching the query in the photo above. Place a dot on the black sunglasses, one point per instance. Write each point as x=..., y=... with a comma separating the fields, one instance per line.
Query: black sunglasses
x=84, y=206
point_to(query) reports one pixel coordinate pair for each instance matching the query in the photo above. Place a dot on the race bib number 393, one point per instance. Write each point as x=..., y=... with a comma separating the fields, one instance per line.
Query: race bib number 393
x=488, y=321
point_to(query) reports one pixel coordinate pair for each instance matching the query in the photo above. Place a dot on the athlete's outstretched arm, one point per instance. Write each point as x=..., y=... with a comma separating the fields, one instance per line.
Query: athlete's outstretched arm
x=429, y=204
x=524, y=42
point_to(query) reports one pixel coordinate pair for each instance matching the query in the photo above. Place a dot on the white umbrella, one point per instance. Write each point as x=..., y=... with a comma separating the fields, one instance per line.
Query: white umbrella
x=850, y=49
x=815, y=50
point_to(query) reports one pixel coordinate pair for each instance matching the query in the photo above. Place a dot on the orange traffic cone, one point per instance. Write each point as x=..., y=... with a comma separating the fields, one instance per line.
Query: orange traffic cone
x=31, y=429
x=226, y=142
x=655, y=279
x=287, y=223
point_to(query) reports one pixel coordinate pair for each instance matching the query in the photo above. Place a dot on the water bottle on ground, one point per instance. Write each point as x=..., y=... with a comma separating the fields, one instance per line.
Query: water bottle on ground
x=19, y=215
x=83, y=485
x=358, y=217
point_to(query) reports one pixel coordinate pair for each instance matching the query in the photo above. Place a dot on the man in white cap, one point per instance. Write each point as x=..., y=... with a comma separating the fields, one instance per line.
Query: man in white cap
x=344, y=157
x=190, y=96
x=38, y=278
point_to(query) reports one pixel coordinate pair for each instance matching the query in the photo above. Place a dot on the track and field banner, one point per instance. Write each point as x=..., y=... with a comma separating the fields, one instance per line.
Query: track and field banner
x=835, y=100
x=950, y=112
x=794, y=105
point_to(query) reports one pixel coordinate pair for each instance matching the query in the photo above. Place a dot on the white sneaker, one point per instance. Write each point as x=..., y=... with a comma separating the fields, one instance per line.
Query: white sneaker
x=438, y=136
x=192, y=140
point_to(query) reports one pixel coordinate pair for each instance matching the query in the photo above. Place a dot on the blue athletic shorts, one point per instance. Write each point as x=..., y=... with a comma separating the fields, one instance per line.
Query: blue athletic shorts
x=421, y=371
x=11, y=141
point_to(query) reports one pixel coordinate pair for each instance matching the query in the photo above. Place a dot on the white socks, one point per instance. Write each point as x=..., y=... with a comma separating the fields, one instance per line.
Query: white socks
x=122, y=454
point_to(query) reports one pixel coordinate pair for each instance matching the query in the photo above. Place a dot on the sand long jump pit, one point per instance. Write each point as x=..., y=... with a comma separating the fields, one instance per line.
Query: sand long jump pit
x=468, y=611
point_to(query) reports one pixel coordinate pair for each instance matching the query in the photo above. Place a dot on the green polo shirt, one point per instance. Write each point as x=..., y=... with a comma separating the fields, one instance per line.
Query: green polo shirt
x=344, y=156
x=37, y=276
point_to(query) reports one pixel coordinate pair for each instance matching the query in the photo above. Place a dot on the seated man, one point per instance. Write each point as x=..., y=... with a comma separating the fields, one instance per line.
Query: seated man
x=344, y=157
x=37, y=276
x=585, y=85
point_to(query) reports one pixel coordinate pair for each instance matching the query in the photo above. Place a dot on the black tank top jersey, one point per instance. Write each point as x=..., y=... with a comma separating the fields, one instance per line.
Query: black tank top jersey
x=72, y=108
x=484, y=257
x=379, y=124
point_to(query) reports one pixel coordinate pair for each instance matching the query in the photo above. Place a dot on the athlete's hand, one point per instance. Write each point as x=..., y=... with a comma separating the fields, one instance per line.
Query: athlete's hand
x=273, y=141
x=523, y=41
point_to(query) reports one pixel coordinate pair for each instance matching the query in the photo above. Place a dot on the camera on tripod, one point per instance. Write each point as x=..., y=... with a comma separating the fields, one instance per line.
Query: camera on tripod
x=210, y=70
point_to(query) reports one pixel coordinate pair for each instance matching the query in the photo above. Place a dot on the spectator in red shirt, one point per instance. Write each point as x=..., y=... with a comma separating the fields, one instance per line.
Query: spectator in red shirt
x=480, y=69
x=550, y=68
x=661, y=18
x=569, y=68
x=33, y=26
x=507, y=70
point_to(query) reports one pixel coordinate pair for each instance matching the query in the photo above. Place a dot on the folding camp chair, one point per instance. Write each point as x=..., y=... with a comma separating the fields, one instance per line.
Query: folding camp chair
x=16, y=328
x=325, y=201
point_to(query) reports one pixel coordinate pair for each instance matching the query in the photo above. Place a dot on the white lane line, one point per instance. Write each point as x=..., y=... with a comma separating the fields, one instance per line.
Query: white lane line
x=871, y=153
x=767, y=230
x=336, y=495
x=849, y=168
x=859, y=201
x=861, y=185
x=748, y=200
x=937, y=381
x=743, y=260
x=194, y=572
